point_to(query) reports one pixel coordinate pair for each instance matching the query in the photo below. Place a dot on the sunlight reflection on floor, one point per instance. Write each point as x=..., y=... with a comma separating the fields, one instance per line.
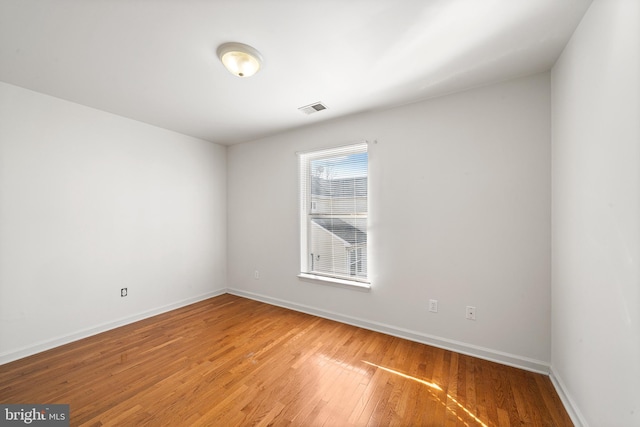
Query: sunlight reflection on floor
x=435, y=387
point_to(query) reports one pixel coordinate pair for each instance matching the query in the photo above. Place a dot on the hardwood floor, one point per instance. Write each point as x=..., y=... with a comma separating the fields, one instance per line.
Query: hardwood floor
x=230, y=361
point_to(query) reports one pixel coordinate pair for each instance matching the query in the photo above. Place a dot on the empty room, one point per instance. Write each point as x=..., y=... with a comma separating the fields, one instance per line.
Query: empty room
x=320, y=213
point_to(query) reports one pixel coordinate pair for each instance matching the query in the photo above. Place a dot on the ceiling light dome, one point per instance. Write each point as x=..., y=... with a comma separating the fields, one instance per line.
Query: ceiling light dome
x=240, y=59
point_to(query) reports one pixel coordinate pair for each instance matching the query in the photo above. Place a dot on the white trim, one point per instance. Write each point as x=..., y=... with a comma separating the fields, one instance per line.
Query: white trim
x=503, y=358
x=334, y=147
x=572, y=409
x=85, y=333
x=335, y=280
x=444, y=343
x=305, y=218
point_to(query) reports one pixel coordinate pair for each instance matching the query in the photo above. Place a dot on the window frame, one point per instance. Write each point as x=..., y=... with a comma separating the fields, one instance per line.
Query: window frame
x=305, y=211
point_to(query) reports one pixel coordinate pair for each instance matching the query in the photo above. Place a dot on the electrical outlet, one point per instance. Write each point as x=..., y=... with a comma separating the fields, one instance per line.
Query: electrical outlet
x=123, y=292
x=256, y=274
x=471, y=313
x=433, y=305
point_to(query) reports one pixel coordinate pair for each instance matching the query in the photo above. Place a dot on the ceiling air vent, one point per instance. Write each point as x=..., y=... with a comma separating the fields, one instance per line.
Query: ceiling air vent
x=313, y=108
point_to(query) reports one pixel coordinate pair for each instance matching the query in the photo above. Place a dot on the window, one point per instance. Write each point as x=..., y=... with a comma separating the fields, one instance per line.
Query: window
x=333, y=213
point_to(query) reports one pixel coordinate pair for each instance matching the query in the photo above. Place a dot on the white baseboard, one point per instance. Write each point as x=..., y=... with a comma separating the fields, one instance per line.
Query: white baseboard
x=457, y=346
x=66, y=339
x=572, y=409
x=447, y=344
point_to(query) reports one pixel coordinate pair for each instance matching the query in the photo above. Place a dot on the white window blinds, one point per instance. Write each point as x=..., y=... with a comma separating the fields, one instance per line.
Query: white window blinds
x=333, y=212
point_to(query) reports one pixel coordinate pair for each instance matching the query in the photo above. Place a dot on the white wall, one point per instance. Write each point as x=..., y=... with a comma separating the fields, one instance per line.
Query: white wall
x=596, y=216
x=91, y=202
x=460, y=212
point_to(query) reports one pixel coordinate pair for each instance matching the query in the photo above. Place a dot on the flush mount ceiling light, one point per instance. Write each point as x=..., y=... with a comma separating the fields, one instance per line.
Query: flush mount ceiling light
x=240, y=59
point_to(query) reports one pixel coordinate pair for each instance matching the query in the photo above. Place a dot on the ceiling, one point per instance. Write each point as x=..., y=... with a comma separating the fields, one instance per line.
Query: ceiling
x=154, y=60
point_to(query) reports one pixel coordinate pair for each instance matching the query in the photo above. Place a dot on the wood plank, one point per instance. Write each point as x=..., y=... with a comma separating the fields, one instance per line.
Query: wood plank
x=233, y=361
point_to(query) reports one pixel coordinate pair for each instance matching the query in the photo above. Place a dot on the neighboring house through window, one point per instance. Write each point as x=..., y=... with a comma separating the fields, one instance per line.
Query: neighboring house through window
x=333, y=213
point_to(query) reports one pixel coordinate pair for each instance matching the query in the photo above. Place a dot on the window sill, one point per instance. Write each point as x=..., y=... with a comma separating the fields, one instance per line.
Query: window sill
x=332, y=280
